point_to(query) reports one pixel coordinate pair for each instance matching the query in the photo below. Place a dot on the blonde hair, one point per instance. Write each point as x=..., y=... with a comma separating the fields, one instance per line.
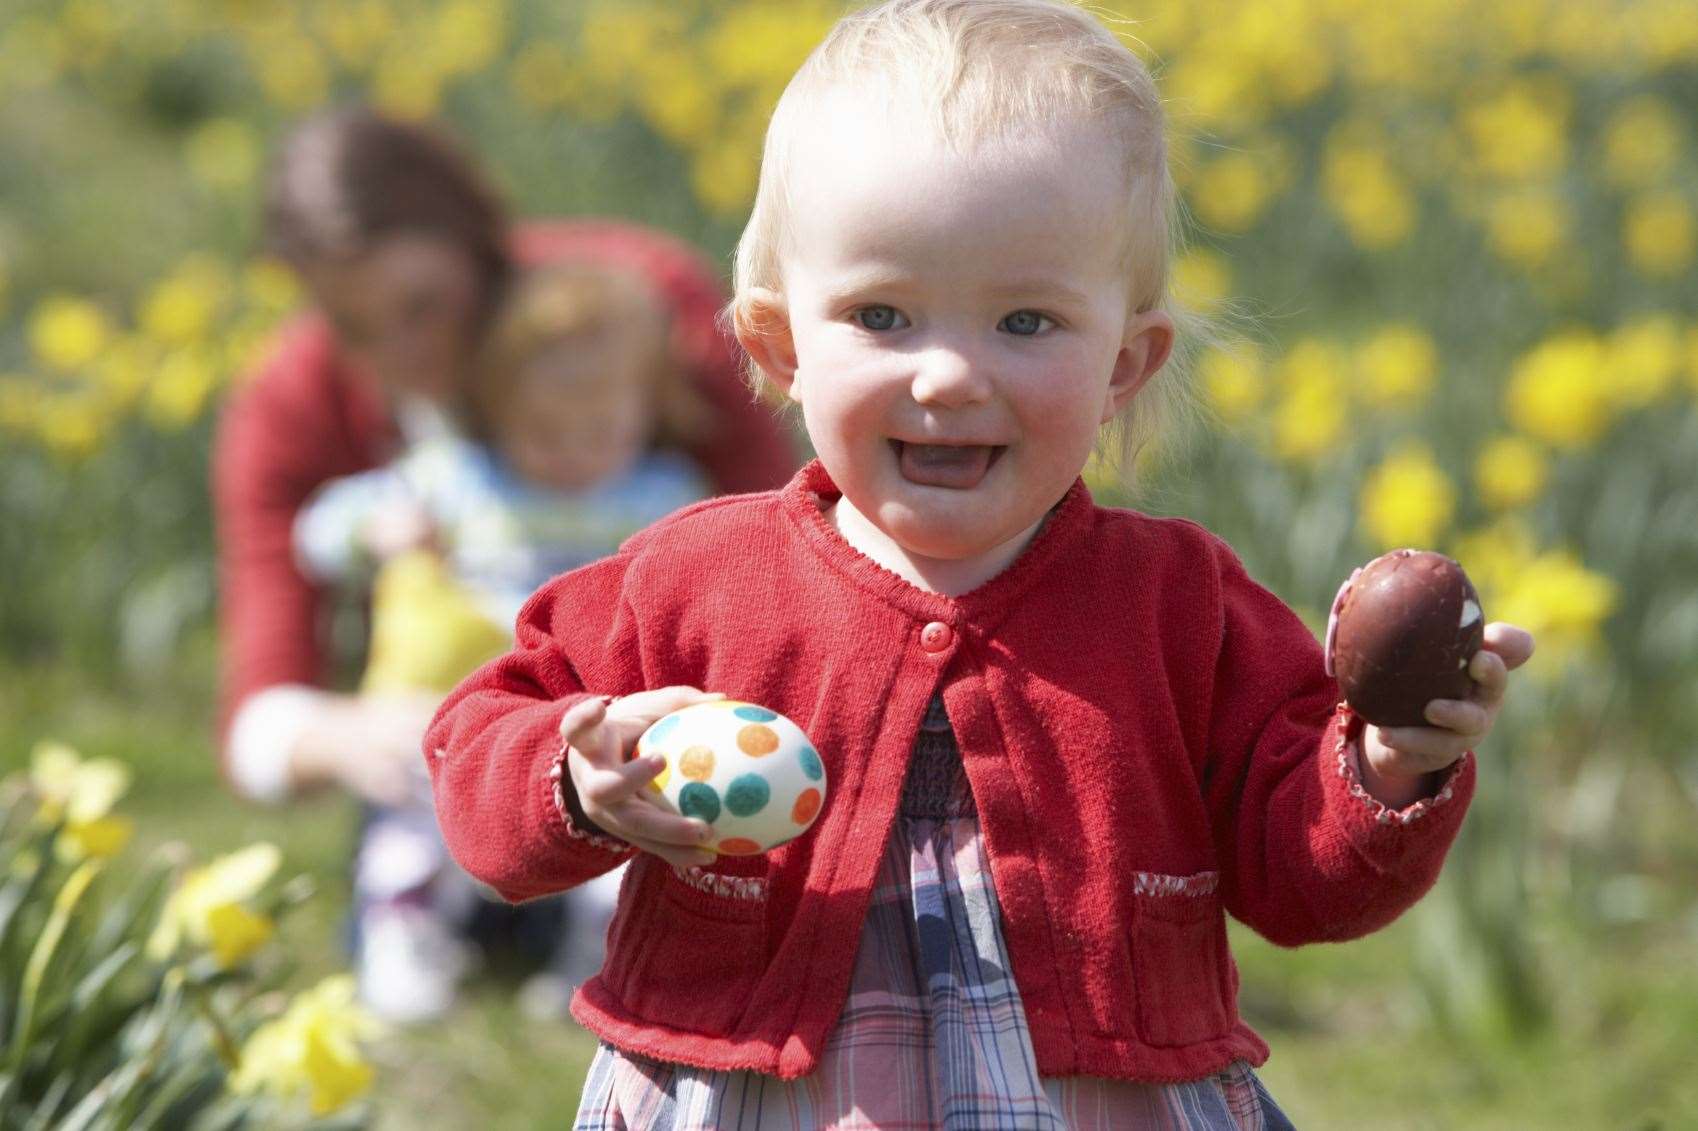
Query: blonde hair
x=984, y=69
x=593, y=307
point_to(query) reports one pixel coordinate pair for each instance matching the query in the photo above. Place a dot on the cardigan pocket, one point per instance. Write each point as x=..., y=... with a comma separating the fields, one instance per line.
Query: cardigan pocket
x=701, y=951
x=1179, y=960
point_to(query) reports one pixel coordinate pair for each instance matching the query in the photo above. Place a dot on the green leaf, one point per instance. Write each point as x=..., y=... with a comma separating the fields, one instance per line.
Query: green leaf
x=41, y=957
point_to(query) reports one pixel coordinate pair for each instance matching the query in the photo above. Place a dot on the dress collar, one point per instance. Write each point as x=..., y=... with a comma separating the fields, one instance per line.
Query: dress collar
x=804, y=500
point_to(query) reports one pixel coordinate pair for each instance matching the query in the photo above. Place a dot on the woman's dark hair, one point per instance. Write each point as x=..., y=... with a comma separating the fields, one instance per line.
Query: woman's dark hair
x=346, y=179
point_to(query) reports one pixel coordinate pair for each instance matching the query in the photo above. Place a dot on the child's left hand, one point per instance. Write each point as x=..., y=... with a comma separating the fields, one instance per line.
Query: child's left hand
x=1398, y=762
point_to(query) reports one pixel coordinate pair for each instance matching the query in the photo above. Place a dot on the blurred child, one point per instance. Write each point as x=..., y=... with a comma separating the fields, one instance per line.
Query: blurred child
x=1063, y=741
x=553, y=467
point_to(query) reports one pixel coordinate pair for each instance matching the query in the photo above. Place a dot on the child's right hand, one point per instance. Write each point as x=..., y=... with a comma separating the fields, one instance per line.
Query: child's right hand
x=611, y=790
x=397, y=529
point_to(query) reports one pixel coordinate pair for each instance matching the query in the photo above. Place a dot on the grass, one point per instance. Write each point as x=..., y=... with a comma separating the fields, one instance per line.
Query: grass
x=1354, y=1045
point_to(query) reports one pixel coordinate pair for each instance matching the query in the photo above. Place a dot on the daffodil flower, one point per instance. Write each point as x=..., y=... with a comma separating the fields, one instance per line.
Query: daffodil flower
x=313, y=1049
x=209, y=908
x=80, y=793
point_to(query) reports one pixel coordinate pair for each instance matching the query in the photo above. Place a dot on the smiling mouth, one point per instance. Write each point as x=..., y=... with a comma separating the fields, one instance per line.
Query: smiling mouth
x=956, y=467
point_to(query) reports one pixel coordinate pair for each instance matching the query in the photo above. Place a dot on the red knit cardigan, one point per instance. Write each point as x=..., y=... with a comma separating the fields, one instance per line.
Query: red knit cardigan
x=305, y=417
x=1149, y=735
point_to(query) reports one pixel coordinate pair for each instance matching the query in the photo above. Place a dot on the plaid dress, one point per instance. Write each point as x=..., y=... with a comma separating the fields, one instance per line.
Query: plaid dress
x=933, y=1034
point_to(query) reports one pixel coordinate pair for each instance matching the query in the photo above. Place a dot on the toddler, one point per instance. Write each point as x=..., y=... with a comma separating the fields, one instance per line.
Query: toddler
x=1063, y=741
x=552, y=469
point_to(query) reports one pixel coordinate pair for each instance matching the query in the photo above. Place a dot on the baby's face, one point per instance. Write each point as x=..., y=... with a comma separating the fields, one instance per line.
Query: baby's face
x=573, y=421
x=959, y=323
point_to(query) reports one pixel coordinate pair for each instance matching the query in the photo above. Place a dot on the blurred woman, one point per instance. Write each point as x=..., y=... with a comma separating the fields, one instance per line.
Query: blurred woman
x=404, y=252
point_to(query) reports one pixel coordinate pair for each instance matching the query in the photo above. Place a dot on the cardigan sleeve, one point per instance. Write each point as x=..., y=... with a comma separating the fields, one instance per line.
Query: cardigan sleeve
x=1306, y=854
x=267, y=458
x=494, y=748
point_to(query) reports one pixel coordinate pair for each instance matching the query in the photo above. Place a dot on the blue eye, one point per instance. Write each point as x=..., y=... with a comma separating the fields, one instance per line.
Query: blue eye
x=879, y=318
x=1024, y=323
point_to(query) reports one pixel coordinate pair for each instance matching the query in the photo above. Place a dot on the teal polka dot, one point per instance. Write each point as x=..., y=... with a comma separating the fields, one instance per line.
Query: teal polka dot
x=811, y=763
x=747, y=795
x=755, y=714
x=699, y=800
x=663, y=728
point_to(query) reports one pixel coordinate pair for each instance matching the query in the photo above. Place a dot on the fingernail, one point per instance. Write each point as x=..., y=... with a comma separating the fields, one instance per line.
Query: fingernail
x=703, y=832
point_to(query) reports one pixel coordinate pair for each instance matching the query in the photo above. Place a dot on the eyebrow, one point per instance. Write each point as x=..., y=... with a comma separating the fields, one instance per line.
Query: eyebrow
x=878, y=279
x=1048, y=288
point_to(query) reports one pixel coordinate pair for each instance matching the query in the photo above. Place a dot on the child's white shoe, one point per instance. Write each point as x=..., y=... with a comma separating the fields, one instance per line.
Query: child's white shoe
x=410, y=963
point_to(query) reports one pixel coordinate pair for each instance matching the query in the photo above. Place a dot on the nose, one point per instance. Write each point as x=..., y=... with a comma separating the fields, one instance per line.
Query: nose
x=948, y=376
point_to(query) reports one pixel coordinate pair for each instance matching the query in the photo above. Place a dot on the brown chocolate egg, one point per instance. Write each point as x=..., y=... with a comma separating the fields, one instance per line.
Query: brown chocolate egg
x=1401, y=633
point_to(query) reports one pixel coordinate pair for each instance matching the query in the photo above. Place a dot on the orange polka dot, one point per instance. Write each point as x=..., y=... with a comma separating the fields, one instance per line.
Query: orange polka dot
x=807, y=804
x=696, y=763
x=757, y=740
x=738, y=846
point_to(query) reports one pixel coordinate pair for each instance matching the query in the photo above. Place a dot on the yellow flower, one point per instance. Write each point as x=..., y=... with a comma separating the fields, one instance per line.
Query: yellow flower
x=181, y=388
x=1496, y=555
x=1520, y=132
x=313, y=1049
x=1560, y=602
x=1232, y=191
x=223, y=153
x=406, y=83
x=1557, y=391
x=1398, y=365
x=1510, y=471
x=1658, y=233
x=270, y=286
x=1313, y=406
x=1368, y=194
x=1407, y=500
x=208, y=907
x=1233, y=381
x=71, y=424
x=723, y=177
x=1641, y=142
x=1201, y=279
x=80, y=793
x=1526, y=227
x=355, y=31
x=66, y=333
x=467, y=35
x=542, y=75
x=291, y=70
x=181, y=308
x=1643, y=357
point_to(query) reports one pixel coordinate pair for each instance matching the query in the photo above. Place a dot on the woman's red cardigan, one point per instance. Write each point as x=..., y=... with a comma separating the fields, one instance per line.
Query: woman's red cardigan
x=304, y=418
x=1150, y=738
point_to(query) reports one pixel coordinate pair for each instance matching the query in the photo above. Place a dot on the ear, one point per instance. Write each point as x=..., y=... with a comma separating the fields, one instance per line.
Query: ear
x=1143, y=349
x=762, y=324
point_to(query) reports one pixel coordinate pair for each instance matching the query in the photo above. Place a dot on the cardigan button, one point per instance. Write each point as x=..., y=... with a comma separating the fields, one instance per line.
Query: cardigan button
x=936, y=637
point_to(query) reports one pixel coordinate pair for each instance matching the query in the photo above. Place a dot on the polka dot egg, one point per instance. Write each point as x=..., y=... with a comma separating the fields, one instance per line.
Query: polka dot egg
x=748, y=772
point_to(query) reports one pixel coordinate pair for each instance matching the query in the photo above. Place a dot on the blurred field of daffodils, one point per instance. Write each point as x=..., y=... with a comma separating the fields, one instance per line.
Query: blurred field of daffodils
x=141, y=993
x=1452, y=246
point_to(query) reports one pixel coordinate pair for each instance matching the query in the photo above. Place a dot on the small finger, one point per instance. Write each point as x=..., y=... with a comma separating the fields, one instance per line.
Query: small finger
x=673, y=854
x=1489, y=671
x=607, y=786
x=647, y=821
x=1460, y=716
x=1510, y=642
x=1417, y=750
x=580, y=717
